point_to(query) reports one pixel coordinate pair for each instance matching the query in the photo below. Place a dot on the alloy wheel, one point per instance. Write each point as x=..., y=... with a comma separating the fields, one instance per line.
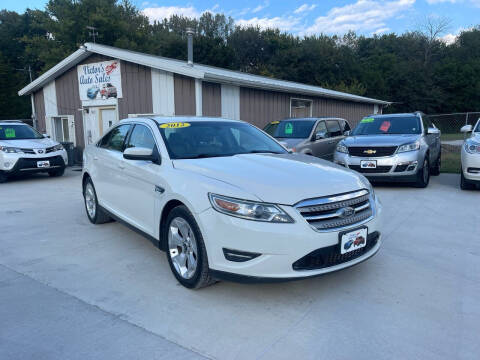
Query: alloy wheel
x=90, y=201
x=182, y=247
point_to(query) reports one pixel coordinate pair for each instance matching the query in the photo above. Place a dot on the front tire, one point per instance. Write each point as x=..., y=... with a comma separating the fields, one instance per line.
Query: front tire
x=464, y=184
x=95, y=213
x=57, y=172
x=423, y=175
x=438, y=164
x=186, y=252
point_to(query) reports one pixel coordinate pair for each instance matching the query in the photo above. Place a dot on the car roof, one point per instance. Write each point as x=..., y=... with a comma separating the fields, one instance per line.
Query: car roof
x=395, y=115
x=313, y=118
x=15, y=122
x=168, y=119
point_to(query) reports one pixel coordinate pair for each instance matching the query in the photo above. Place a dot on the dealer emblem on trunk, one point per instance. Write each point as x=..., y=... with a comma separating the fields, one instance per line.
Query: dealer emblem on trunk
x=370, y=151
x=345, y=212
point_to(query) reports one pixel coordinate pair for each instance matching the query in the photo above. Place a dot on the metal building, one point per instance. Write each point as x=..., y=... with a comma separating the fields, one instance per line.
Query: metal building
x=97, y=85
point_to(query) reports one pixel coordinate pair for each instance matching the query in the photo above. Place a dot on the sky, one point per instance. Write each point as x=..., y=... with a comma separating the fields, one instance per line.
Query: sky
x=307, y=17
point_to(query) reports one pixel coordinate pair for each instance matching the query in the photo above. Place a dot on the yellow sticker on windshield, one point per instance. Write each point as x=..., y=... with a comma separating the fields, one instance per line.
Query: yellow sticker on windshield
x=275, y=122
x=174, y=125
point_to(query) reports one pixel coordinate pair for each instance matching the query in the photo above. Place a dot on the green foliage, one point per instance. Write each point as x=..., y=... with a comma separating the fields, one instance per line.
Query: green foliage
x=413, y=70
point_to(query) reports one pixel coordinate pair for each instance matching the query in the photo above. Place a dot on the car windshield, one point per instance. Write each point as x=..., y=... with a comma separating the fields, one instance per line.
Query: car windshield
x=18, y=132
x=477, y=129
x=294, y=129
x=203, y=139
x=271, y=128
x=388, y=125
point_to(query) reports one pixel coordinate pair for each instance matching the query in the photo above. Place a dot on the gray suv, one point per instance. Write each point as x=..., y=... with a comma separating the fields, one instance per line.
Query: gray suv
x=311, y=136
x=394, y=147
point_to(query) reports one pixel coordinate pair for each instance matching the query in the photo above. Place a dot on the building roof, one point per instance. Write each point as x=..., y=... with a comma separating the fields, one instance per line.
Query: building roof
x=198, y=71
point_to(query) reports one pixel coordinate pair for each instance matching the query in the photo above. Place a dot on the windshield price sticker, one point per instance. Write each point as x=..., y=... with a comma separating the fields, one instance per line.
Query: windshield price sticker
x=367, y=120
x=9, y=133
x=289, y=128
x=175, y=125
x=385, y=126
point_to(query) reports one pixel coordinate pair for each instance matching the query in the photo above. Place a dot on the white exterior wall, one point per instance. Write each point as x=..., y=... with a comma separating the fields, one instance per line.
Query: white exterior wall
x=162, y=93
x=230, y=102
x=51, y=109
x=198, y=98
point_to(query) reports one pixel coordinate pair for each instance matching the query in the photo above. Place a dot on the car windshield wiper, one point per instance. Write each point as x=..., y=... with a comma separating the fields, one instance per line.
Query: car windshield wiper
x=202, y=156
x=262, y=152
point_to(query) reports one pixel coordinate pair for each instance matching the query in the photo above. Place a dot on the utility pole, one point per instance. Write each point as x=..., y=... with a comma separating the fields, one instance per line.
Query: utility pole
x=93, y=33
x=34, y=116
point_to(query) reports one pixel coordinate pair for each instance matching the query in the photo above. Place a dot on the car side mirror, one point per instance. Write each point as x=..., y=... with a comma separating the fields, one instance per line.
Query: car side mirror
x=432, y=130
x=466, y=129
x=139, y=153
x=320, y=135
x=46, y=135
x=346, y=133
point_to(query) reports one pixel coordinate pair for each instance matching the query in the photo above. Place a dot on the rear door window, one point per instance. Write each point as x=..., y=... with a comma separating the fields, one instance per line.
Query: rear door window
x=334, y=128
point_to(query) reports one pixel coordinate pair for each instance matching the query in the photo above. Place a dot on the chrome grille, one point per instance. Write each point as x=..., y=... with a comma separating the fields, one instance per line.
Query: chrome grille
x=337, y=211
x=28, y=151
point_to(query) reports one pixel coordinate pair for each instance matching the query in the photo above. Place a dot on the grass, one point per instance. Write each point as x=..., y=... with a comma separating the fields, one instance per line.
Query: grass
x=450, y=137
x=451, y=162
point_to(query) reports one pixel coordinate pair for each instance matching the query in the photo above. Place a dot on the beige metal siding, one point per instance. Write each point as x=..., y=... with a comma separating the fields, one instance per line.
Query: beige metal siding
x=68, y=101
x=211, y=99
x=259, y=107
x=39, y=104
x=351, y=111
x=184, y=89
x=136, y=89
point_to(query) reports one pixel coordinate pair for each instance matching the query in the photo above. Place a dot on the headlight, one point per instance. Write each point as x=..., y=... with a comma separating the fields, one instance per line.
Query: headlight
x=58, y=147
x=369, y=186
x=250, y=210
x=10, y=150
x=472, y=147
x=342, y=148
x=409, y=147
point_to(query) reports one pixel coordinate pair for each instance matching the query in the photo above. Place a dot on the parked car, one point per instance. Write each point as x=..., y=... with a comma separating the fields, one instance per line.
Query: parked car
x=470, y=172
x=394, y=147
x=226, y=201
x=92, y=92
x=24, y=150
x=310, y=136
x=108, y=91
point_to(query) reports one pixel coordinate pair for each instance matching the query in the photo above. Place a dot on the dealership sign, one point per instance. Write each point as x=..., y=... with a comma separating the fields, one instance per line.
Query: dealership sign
x=100, y=80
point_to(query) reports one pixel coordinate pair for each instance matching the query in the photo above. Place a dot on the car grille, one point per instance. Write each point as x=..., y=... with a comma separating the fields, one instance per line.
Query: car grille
x=372, y=151
x=377, y=170
x=329, y=213
x=31, y=163
x=331, y=256
x=28, y=151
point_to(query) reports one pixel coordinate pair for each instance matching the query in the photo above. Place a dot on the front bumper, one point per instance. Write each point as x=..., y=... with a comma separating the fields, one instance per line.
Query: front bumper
x=12, y=164
x=398, y=167
x=279, y=246
x=471, y=166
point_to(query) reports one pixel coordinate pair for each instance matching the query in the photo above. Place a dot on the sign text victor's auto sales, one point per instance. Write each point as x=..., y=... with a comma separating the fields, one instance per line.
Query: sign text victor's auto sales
x=100, y=80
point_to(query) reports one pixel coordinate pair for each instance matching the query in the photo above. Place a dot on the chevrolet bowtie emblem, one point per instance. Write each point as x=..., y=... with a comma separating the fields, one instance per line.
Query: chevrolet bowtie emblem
x=369, y=152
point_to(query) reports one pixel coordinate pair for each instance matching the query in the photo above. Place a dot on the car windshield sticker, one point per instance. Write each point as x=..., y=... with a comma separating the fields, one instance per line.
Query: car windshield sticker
x=275, y=122
x=385, y=126
x=288, y=128
x=9, y=133
x=175, y=125
x=367, y=120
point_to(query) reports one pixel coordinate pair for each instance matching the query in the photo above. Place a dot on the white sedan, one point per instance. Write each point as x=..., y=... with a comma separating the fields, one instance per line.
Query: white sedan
x=470, y=173
x=227, y=201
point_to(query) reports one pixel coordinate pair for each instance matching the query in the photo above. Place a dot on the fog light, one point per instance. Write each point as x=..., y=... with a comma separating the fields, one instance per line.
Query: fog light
x=6, y=164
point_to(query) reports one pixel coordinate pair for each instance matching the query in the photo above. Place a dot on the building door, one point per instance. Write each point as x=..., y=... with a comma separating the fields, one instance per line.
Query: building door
x=96, y=122
x=107, y=117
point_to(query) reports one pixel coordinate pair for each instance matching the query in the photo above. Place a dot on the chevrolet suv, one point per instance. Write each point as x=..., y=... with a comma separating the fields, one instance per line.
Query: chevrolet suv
x=226, y=201
x=394, y=147
x=24, y=150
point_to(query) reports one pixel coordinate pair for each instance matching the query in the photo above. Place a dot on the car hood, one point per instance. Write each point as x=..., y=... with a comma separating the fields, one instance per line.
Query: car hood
x=29, y=143
x=289, y=142
x=476, y=137
x=380, y=140
x=277, y=178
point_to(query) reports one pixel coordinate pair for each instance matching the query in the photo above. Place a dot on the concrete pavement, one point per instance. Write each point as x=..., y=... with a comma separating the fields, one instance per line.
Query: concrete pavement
x=69, y=289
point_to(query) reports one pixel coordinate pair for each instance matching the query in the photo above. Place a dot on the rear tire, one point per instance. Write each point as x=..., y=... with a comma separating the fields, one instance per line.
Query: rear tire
x=185, y=249
x=438, y=164
x=95, y=213
x=464, y=184
x=57, y=172
x=423, y=175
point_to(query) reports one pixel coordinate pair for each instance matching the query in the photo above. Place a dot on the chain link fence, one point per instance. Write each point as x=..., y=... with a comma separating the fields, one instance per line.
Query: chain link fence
x=452, y=138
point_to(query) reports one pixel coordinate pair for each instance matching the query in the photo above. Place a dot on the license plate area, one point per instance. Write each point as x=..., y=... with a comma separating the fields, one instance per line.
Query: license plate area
x=43, y=164
x=368, y=164
x=353, y=240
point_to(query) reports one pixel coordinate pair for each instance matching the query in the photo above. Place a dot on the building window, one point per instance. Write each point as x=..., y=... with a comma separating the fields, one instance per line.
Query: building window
x=300, y=108
x=60, y=129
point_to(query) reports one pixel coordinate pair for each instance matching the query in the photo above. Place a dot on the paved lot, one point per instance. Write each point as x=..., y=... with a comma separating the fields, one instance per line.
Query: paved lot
x=72, y=290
